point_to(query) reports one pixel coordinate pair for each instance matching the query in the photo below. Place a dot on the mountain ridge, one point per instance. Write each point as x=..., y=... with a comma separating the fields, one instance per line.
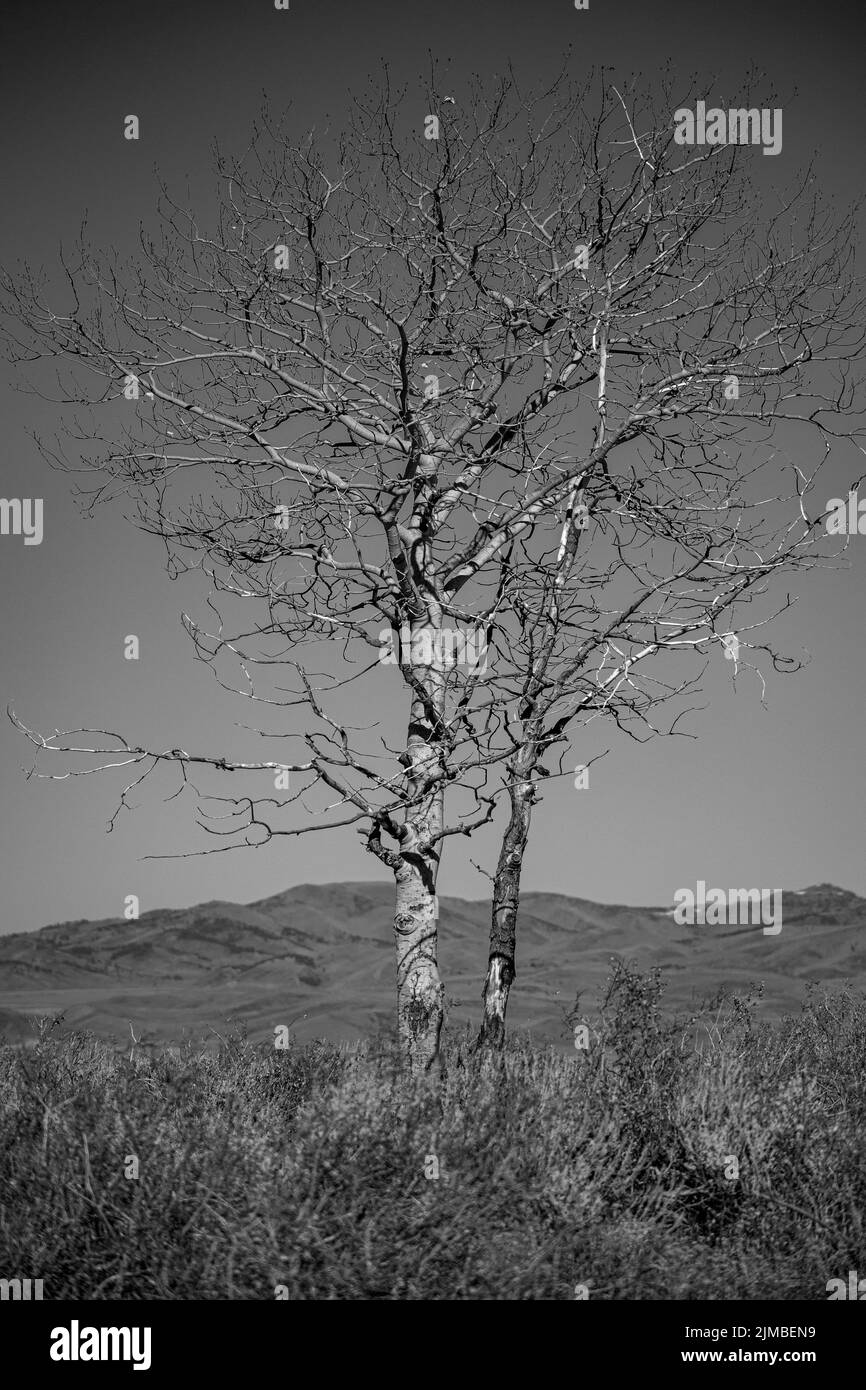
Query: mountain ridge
x=324, y=952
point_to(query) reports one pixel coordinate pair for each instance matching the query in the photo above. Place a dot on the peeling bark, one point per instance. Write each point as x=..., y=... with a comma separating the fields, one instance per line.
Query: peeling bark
x=420, y=995
x=503, y=926
x=420, y=1011
x=500, y=973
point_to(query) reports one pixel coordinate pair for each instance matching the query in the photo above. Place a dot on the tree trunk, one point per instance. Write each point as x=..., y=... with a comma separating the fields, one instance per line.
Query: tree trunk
x=420, y=996
x=420, y=1011
x=503, y=926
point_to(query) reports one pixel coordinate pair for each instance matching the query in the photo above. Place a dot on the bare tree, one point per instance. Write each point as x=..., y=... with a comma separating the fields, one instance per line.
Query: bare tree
x=724, y=336
x=397, y=363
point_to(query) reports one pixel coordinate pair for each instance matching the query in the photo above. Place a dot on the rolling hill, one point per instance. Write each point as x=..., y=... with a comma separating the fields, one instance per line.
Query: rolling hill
x=320, y=958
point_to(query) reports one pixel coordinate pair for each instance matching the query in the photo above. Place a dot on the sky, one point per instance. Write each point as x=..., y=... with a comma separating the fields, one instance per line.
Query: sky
x=763, y=796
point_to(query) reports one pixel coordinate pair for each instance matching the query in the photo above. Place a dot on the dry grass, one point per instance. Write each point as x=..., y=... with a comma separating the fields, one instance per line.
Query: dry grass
x=308, y=1168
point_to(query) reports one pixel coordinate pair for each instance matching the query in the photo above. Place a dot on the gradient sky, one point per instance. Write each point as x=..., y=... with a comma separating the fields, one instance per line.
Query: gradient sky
x=769, y=797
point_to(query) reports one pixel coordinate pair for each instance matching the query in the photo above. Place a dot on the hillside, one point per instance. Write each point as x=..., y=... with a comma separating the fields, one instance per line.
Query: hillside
x=321, y=958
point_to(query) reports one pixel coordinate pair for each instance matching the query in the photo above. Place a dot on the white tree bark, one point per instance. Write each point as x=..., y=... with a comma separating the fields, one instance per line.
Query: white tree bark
x=420, y=995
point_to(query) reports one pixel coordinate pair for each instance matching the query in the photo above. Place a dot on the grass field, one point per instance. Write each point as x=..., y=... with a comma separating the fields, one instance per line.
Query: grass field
x=312, y=1172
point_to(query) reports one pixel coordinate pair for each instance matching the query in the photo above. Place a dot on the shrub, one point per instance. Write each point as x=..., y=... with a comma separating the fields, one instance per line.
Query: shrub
x=519, y=1175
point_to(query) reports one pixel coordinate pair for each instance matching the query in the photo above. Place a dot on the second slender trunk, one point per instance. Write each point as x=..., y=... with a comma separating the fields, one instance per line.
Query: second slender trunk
x=503, y=926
